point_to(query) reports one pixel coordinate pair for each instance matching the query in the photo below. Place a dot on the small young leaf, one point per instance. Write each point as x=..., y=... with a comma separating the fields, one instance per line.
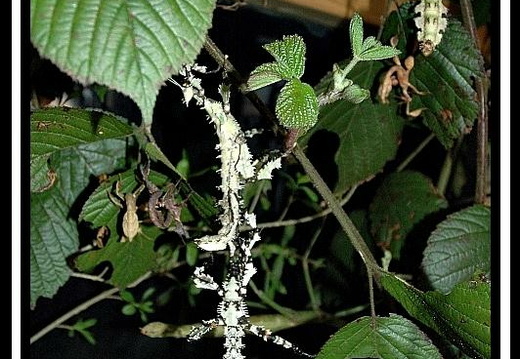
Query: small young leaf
x=297, y=106
x=84, y=324
x=129, y=309
x=127, y=296
x=148, y=293
x=264, y=75
x=192, y=253
x=88, y=336
x=311, y=194
x=381, y=337
x=356, y=34
x=355, y=94
x=459, y=246
x=374, y=50
x=289, y=54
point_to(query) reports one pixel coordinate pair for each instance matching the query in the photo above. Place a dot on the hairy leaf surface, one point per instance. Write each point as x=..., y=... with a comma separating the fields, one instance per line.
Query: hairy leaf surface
x=460, y=246
x=463, y=316
x=446, y=77
x=53, y=238
x=56, y=129
x=131, y=46
x=390, y=337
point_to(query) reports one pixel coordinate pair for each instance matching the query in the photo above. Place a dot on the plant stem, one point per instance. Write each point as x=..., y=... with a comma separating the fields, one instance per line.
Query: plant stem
x=280, y=309
x=447, y=167
x=240, y=81
x=306, y=273
x=481, y=84
x=415, y=152
x=350, y=66
x=83, y=306
x=445, y=174
x=291, y=222
x=346, y=223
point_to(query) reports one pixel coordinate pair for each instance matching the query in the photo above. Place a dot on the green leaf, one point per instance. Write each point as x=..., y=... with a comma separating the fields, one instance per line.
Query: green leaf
x=463, y=317
x=84, y=324
x=148, y=293
x=355, y=94
x=460, y=246
x=402, y=200
x=192, y=253
x=289, y=54
x=55, y=129
x=41, y=175
x=76, y=166
x=390, y=337
x=264, y=75
x=297, y=106
x=448, y=76
x=129, y=309
x=127, y=296
x=131, y=46
x=374, y=50
x=88, y=336
x=99, y=210
x=356, y=34
x=369, y=134
x=129, y=260
x=53, y=238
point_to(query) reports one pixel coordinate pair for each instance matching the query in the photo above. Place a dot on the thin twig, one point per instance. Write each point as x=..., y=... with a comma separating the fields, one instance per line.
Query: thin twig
x=95, y=278
x=291, y=222
x=348, y=227
x=240, y=81
x=447, y=167
x=481, y=85
x=344, y=220
x=280, y=309
x=83, y=306
x=306, y=273
x=412, y=155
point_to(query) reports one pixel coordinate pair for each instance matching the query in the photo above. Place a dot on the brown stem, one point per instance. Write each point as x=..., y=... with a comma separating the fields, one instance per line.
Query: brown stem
x=482, y=120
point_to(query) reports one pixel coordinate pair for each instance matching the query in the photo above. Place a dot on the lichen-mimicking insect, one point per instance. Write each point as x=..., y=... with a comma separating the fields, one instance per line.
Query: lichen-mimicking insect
x=431, y=24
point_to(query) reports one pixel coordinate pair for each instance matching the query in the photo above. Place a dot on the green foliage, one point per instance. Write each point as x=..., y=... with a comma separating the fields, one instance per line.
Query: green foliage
x=390, y=337
x=78, y=156
x=369, y=136
x=463, y=316
x=458, y=248
x=446, y=77
x=53, y=238
x=400, y=203
x=368, y=49
x=130, y=46
x=143, y=307
x=297, y=105
x=82, y=327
